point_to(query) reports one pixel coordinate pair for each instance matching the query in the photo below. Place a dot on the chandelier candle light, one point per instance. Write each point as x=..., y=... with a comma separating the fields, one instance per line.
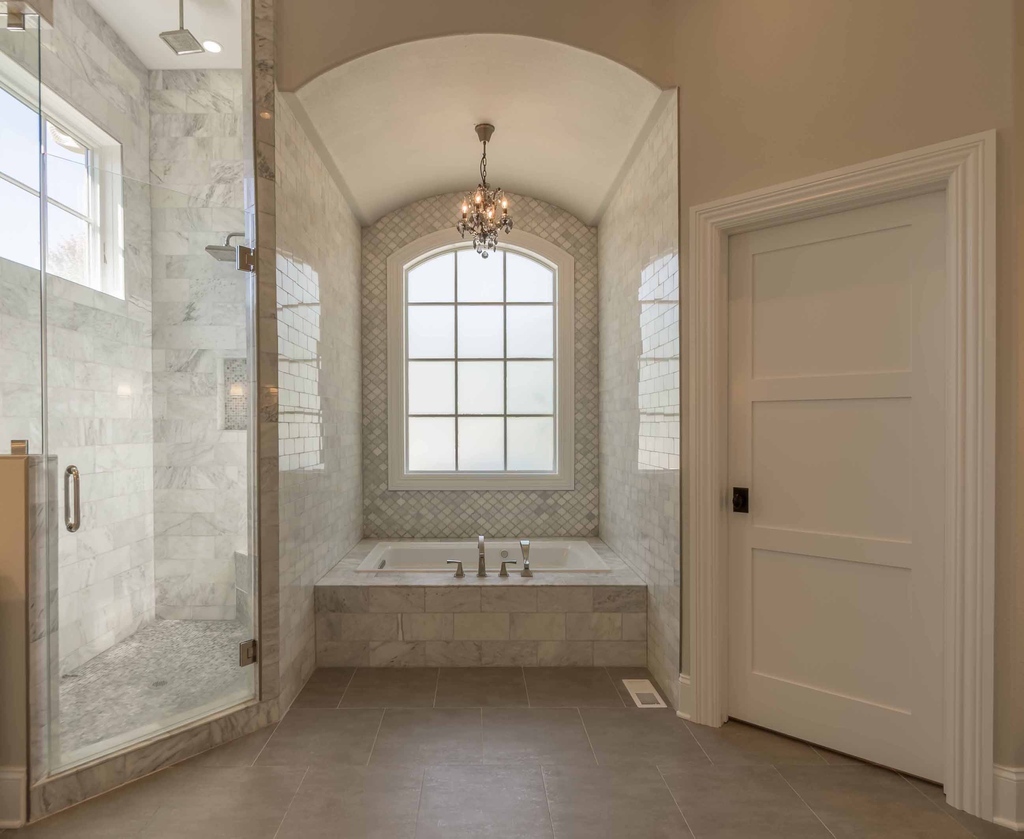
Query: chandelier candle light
x=485, y=210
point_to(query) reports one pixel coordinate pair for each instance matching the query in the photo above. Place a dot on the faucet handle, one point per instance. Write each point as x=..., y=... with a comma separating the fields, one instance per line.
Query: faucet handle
x=458, y=571
x=504, y=571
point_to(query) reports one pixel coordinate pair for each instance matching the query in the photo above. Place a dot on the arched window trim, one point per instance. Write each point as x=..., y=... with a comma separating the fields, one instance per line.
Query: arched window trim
x=399, y=477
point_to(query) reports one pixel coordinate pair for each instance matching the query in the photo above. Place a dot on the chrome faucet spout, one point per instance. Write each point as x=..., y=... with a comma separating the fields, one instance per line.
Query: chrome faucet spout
x=524, y=546
x=481, y=570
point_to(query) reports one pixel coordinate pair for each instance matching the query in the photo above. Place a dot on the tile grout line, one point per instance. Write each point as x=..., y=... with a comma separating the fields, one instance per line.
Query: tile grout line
x=674, y=801
x=295, y=794
x=419, y=801
x=819, y=754
x=345, y=689
x=699, y=744
x=271, y=737
x=935, y=804
x=376, y=734
x=579, y=713
x=526, y=687
x=547, y=798
x=437, y=686
x=785, y=780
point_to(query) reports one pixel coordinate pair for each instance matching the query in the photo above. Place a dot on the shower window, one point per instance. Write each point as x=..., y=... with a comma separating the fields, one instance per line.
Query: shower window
x=81, y=188
x=481, y=376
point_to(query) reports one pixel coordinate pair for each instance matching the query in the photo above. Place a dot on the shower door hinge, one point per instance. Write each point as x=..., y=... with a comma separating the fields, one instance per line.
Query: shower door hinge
x=245, y=258
x=247, y=653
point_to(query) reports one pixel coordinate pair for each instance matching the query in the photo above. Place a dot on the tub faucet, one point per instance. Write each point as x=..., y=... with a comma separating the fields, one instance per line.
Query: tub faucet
x=481, y=570
x=524, y=546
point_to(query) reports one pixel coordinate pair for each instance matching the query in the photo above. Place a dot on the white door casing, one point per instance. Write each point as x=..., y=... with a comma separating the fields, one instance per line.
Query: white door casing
x=836, y=426
x=965, y=170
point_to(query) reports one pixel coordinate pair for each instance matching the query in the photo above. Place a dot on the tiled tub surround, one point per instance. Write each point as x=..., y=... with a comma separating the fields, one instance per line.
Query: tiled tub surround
x=430, y=619
x=640, y=385
x=199, y=314
x=459, y=514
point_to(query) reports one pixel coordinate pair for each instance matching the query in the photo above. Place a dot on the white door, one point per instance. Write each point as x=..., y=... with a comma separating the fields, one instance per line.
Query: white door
x=837, y=427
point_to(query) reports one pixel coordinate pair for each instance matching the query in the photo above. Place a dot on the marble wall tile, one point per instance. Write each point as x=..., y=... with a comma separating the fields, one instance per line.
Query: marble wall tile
x=311, y=376
x=200, y=309
x=430, y=514
x=640, y=387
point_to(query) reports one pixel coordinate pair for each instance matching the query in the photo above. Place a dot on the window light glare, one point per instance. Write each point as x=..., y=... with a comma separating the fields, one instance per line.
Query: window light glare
x=212, y=46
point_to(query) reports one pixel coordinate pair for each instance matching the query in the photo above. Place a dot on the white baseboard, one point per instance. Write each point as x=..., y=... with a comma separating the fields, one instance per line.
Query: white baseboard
x=1008, y=797
x=13, y=796
x=685, y=707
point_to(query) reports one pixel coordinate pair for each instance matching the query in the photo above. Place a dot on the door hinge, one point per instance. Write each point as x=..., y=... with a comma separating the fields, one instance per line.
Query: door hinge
x=247, y=653
x=245, y=258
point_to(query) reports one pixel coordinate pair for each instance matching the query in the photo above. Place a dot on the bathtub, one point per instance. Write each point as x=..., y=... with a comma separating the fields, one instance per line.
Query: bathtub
x=547, y=556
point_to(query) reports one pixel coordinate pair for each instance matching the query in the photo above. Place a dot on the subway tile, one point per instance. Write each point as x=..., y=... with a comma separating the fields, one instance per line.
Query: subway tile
x=396, y=599
x=620, y=599
x=508, y=653
x=565, y=599
x=537, y=626
x=620, y=654
x=398, y=653
x=634, y=626
x=451, y=599
x=518, y=599
x=481, y=626
x=455, y=653
x=369, y=627
x=593, y=626
x=427, y=627
x=565, y=653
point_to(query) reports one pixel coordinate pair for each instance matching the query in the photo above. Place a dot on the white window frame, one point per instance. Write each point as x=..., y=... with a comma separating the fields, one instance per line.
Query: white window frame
x=105, y=217
x=563, y=477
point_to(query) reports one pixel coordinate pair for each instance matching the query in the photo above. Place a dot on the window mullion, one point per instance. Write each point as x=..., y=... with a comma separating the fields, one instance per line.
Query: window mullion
x=455, y=268
x=504, y=356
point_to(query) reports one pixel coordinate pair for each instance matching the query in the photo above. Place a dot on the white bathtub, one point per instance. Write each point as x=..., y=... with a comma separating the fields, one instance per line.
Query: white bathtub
x=546, y=556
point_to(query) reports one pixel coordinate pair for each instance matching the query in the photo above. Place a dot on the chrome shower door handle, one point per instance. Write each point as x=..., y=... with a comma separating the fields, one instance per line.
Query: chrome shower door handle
x=71, y=475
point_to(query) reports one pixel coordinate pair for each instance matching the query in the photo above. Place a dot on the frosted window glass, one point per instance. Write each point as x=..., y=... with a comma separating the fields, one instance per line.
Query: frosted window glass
x=67, y=245
x=528, y=280
x=19, y=225
x=480, y=280
x=531, y=444
x=480, y=332
x=432, y=281
x=431, y=331
x=481, y=444
x=481, y=387
x=531, y=387
x=530, y=331
x=431, y=387
x=19, y=141
x=431, y=444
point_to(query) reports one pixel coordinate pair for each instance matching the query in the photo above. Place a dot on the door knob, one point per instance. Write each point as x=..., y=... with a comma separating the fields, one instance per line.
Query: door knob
x=740, y=499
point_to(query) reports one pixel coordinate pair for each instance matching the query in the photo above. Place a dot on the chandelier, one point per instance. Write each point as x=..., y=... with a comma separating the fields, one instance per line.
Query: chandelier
x=485, y=210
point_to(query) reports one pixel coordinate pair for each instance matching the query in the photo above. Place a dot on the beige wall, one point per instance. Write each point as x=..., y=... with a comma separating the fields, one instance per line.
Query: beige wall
x=771, y=91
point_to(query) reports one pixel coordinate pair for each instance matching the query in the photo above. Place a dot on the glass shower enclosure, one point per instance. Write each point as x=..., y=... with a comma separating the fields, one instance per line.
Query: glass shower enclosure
x=127, y=339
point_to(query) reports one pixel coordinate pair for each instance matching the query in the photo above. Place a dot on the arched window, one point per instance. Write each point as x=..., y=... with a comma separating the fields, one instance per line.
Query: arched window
x=480, y=365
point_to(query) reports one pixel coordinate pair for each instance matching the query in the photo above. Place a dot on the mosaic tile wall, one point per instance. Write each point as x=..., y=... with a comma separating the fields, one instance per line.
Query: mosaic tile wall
x=432, y=514
x=99, y=363
x=199, y=320
x=638, y=245
x=318, y=372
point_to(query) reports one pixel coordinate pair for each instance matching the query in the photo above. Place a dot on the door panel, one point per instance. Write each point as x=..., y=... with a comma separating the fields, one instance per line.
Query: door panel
x=837, y=425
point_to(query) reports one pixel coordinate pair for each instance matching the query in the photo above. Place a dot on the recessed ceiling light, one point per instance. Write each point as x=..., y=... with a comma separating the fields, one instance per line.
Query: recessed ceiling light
x=212, y=46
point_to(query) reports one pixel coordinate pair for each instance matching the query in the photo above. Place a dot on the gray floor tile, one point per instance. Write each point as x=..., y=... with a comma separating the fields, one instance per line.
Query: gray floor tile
x=735, y=802
x=399, y=687
x=247, y=803
x=475, y=801
x=355, y=802
x=535, y=735
x=736, y=742
x=614, y=802
x=324, y=688
x=486, y=687
x=322, y=737
x=617, y=674
x=630, y=736
x=977, y=828
x=428, y=736
x=858, y=801
x=240, y=752
x=571, y=687
x=837, y=759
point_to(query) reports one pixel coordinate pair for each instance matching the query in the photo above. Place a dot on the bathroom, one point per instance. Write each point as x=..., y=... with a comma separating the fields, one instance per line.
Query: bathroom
x=348, y=392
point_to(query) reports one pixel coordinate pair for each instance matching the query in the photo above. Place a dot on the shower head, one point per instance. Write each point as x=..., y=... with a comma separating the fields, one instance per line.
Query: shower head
x=225, y=252
x=181, y=40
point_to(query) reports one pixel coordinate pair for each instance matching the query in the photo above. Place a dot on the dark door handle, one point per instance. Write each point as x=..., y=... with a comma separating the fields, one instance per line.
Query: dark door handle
x=740, y=500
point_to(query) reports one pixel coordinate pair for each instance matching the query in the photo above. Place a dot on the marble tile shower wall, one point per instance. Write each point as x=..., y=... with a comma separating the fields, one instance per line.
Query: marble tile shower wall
x=99, y=360
x=638, y=247
x=319, y=409
x=199, y=316
x=433, y=514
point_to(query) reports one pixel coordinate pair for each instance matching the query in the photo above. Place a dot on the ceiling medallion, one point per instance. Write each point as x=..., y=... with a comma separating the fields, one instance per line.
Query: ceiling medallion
x=484, y=210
